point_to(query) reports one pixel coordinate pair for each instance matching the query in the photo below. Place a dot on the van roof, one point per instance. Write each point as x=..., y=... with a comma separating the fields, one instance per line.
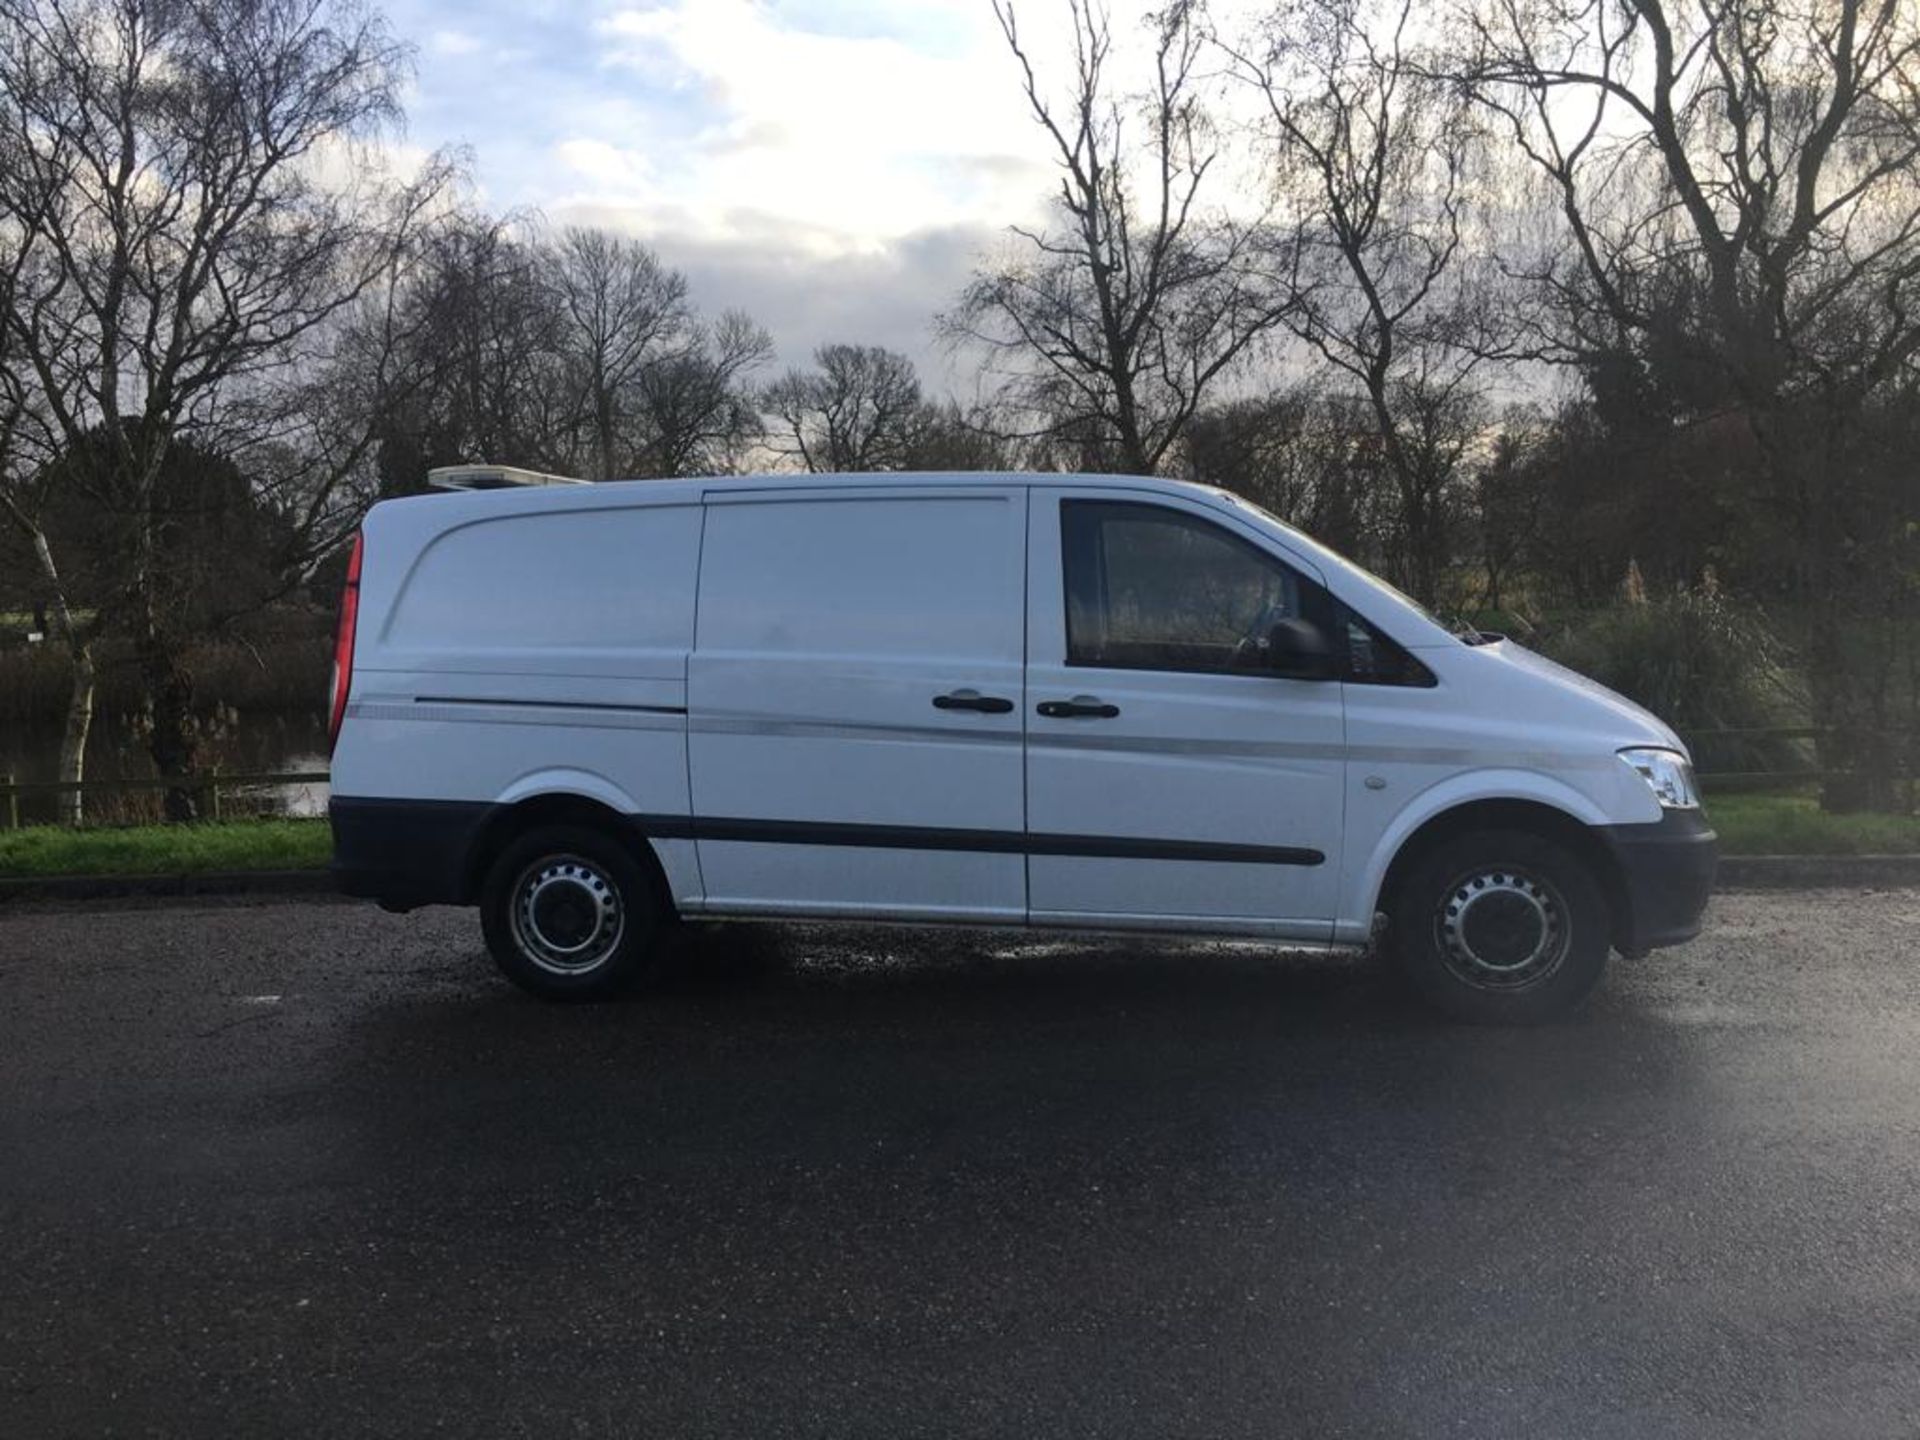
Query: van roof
x=689, y=489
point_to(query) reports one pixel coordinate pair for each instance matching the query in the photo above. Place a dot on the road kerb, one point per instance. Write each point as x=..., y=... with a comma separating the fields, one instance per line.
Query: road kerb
x=210, y=882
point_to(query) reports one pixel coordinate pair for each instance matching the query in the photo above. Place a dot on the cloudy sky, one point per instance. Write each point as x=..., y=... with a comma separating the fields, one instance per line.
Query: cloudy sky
x=831, y=166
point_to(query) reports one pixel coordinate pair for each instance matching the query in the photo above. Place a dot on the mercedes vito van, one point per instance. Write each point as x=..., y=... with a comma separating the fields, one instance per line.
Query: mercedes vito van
x=1092, y=702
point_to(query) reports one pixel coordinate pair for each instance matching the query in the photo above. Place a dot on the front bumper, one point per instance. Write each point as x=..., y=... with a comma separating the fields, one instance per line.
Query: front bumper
x=1666, y=873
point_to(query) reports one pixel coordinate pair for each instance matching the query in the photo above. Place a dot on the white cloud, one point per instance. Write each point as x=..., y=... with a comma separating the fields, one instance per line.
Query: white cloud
x=355, y=166
x=866, y=136
x=808, y=294
x=609, y=168
x=455, y=42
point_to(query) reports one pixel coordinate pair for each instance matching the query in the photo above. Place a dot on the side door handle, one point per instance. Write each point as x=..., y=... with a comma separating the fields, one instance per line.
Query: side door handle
x=1080, y=705
x=973, y=700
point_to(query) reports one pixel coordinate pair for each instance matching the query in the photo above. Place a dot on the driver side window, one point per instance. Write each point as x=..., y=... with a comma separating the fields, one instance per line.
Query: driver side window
x=1151, y=588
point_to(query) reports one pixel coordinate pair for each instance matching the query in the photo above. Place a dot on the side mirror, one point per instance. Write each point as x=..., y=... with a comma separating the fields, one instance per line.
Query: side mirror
x=1299, y=650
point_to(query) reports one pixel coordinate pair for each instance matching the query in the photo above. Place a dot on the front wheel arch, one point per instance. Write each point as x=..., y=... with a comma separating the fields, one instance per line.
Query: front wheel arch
x=1529, y=816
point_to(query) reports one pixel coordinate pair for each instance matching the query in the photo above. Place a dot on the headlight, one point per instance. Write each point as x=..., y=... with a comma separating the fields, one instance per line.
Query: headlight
x=1668, y=774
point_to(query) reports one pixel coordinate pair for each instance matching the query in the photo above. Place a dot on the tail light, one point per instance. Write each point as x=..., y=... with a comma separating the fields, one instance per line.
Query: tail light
x=343, y=643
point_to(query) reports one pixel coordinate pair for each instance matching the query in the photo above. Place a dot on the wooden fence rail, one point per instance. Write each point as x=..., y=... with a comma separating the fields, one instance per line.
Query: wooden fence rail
x=209, y=786
x=209, y=780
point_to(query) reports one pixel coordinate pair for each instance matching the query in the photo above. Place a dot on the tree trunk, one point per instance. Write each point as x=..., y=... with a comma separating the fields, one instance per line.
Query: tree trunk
x=71, y=809
x=602, y=431
x=73, y=740
x=170, y=736
x=167, y=687
x=1422, y=539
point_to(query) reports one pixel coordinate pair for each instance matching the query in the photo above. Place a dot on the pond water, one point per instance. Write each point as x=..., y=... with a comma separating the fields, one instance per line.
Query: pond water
x=251, y=745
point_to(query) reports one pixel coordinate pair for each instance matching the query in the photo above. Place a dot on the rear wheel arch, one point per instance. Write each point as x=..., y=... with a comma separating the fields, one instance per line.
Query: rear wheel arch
x=506, y=823
x=1531, y=816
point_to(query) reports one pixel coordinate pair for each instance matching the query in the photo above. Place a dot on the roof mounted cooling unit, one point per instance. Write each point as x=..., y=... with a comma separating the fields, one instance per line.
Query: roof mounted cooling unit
x=492, y=477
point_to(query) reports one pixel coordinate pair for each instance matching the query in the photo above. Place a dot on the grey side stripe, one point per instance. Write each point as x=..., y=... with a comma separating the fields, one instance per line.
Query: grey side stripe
x=496, y=712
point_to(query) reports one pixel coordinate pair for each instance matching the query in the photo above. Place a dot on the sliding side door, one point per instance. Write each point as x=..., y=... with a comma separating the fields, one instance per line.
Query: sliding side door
x=855, y=702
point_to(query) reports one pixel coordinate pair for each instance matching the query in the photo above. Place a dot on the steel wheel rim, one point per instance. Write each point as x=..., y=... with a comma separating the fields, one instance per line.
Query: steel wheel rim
x=566, y=914
x=1502, y=928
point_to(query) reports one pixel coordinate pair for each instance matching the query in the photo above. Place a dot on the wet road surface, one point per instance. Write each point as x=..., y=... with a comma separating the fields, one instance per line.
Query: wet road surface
x=305, y=1168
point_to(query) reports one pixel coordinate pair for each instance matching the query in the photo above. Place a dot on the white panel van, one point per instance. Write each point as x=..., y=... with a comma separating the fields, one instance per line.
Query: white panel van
x=1091, y=702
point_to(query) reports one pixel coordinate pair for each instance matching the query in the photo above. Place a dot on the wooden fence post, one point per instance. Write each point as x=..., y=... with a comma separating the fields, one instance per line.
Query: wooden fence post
x=13, y=802
x=213, y=795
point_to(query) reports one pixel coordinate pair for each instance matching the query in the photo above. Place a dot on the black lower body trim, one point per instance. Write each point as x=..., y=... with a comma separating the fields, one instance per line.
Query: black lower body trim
x=998, y=842
x=1667, y=870
x=405, y=853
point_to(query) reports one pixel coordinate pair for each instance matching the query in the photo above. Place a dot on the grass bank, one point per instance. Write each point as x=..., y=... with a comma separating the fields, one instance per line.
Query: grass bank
x=39, y=851
x=1767, y=824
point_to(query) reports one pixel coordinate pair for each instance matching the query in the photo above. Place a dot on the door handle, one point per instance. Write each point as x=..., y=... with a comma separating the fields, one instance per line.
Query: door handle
x=1080, y=705
x=972, y=700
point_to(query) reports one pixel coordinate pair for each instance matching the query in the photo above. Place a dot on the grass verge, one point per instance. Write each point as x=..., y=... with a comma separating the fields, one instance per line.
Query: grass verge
x=1767, y=824
x=39, y=851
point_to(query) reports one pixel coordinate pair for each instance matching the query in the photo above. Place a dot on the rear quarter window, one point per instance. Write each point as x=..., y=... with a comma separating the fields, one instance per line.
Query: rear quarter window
x=575, y=579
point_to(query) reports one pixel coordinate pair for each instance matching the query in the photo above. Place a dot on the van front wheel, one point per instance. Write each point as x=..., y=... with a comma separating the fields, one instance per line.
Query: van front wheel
x=1500, y=927
x=568, y=914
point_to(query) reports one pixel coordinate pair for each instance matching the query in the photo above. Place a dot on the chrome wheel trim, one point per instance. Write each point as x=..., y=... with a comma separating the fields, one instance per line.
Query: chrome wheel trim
x=566, y=915
x=1500, y=928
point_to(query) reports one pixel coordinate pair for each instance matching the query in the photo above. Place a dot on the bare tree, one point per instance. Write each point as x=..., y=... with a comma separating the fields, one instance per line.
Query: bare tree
x=949, y=435
x=1740, y=187
x=309, y=437
x=168, y=168
x=1372, y=163
x=25, y=449
x=1307, y=453
x=584, y=356
x=623, y=312
x=490, y=335
x=1259, y=447
x=1113, y=326
x=1507, y=494
x=695, y=411
x=859, y=409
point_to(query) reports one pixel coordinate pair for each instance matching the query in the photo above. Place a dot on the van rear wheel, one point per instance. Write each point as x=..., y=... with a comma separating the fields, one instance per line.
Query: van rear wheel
x=1500, y=927
x=569, y=915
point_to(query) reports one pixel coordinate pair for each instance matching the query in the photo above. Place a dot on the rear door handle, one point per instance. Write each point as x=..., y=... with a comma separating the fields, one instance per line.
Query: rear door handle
x=1080, y=705
x=973, y=700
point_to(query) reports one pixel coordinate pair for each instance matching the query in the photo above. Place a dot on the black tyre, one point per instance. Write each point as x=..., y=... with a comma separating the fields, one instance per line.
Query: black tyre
x=1500, y=927
x=569, y=914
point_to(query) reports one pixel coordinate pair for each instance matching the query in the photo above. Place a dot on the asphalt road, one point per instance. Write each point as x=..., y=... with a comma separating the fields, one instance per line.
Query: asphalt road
x=304, y=1168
